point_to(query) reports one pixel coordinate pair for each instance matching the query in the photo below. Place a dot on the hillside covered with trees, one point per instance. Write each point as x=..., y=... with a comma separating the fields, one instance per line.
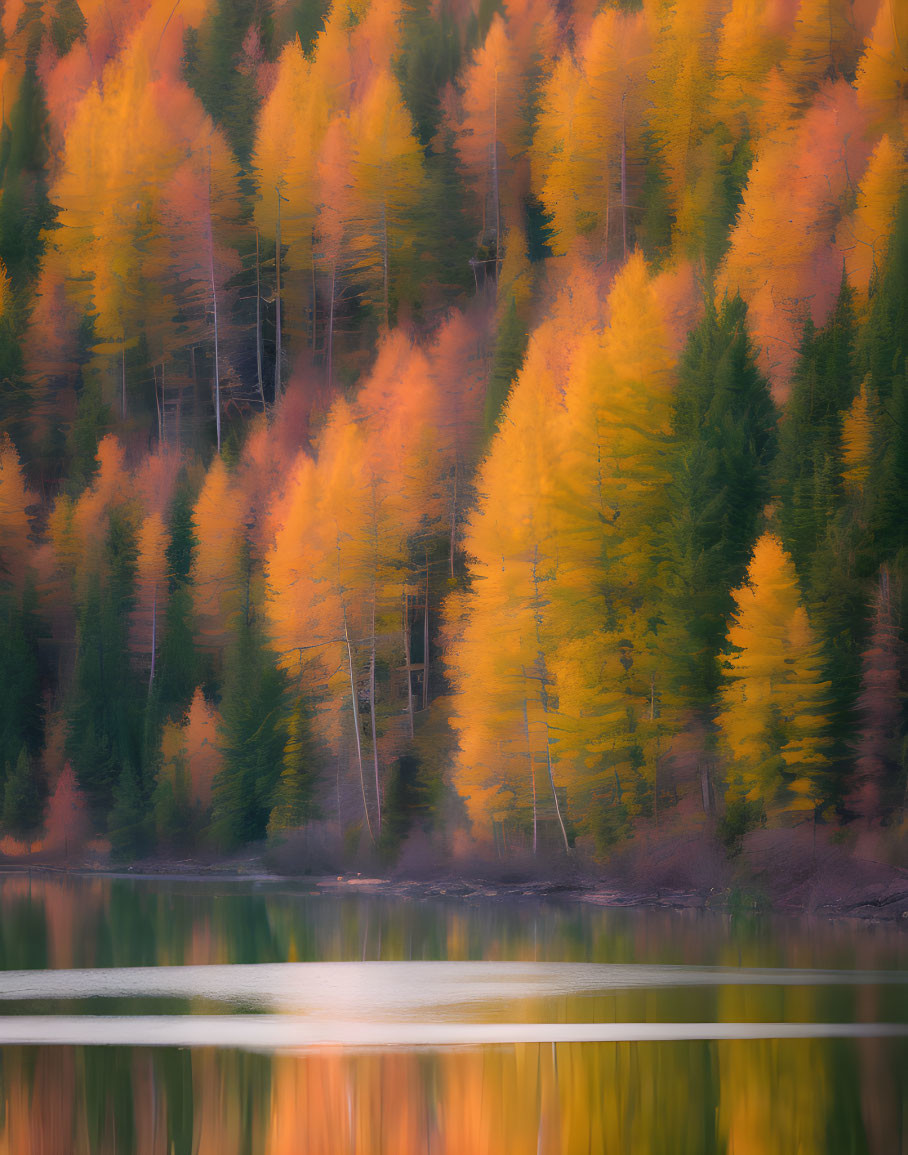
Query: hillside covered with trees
x=480, y=417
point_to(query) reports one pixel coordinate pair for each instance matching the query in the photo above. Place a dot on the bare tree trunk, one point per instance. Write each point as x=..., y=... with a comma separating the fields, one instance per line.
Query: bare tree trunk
x=453, y=521
x=526, y=726
x=157, y=402
x=258, y=322
x=277, y=302
x=314, y=298
x=196, y=403
x=407, y=660
x=214, y=307
x=495, y=180
x=154, y=631
x=123, y=379
x=179, y=414
x=425, y=642
x=374, y=723
x=608, y=202
x=359, y=745
x=624, y=174
x=330, y=349
x=385, y=265
x=544, y=699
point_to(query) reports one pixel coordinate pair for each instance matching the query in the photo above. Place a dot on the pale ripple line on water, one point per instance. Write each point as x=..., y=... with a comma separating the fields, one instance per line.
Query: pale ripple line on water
x=391, y=989
x=291, y=1033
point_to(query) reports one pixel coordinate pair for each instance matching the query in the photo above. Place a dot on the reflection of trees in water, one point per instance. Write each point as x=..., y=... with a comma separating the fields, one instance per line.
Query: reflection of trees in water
x=738, y=1098
x=733, y=1098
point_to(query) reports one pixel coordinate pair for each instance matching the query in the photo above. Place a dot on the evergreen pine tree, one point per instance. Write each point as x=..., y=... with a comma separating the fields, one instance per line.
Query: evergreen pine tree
x=724, y=440
x=21, y=715
x=510, y=347
x=212, y=67
x=22, y=799
x=810, y=442
x=129, y=822
x=252, y=736
x=293, y=799
x=104, y=713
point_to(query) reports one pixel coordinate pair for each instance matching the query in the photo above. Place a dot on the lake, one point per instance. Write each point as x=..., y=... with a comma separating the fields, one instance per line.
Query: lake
x=193, y=1016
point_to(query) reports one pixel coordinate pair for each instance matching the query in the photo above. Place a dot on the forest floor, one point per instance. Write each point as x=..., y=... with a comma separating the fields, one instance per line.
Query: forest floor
x=783, y=871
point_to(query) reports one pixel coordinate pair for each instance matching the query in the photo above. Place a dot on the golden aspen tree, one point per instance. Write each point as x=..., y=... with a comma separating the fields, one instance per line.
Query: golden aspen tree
x=503, y=707
x=882, y=69
x=857, y=441
x=822, y=44
x=502, y=637
x=217, y=584
x=127, y=138
x=564, y=173
x=386, y=171
x=863, y=237
x=751, y=40
x=616, y=56
x=611, y=497
x=335, y=219
x=773, y=715
x=586, y=151
x=488, y=132
x=681, y=79
x=190, y=746
x=290, y=129
x=15, y=525
x=781, y=258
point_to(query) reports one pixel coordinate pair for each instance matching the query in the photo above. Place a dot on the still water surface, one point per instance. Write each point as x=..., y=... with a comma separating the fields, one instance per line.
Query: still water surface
x=159, y=1016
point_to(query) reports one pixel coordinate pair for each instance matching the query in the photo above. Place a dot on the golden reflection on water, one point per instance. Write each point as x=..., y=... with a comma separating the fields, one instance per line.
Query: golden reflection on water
x=741, y=1098
x=796, y=1097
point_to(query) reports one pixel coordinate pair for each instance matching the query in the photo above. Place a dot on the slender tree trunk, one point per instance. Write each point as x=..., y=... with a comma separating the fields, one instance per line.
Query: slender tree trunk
x=359, y=744
x=453, y=521
x=123, y=379
x=425, y=642
x=330, y=350
x=374, y=722
x=385, y=265
x=407, y=660
x=179, y=414
x=157, y=402
x=196, y=402
x=214, y=307
x=314, y=298
x=624, y=174
x=495, y=180
x=154, y=631
x=258, y=322
x=608, y=202
x=526, y=726
x=544, y=700
x=277, y=302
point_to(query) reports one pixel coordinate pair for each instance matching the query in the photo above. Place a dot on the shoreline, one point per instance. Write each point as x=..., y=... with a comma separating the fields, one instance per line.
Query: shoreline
x=868, y=906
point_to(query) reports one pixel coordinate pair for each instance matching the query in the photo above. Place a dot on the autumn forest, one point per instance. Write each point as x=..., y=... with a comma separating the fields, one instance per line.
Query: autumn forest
x=475, y=421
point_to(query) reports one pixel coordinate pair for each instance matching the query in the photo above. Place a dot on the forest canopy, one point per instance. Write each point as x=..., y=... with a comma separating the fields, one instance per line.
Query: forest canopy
x=485, y=418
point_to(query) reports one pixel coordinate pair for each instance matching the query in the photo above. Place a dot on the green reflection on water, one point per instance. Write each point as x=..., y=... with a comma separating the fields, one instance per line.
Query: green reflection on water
x=828, y=1097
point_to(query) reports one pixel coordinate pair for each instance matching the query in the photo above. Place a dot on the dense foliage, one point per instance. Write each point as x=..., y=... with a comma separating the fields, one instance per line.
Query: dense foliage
x=452, y=415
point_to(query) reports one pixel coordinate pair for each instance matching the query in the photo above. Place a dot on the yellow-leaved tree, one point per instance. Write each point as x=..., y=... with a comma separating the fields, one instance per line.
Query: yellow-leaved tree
x=388, y=182
x=863, y=237
x=773, y=715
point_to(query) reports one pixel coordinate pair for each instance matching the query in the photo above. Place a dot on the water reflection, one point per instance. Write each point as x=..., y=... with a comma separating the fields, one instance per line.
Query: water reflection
x=756, y=1097
x=813, y=1098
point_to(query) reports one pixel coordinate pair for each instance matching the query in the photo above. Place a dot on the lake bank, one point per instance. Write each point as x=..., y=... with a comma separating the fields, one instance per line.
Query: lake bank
x=769, y=877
